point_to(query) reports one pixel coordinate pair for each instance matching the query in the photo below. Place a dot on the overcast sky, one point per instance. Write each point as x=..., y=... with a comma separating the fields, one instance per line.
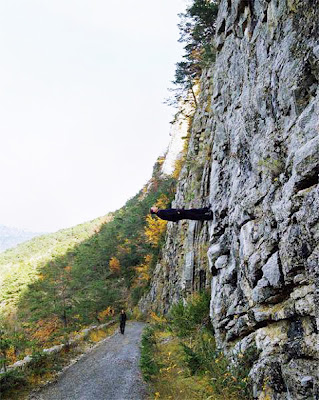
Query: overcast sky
x=82, y=119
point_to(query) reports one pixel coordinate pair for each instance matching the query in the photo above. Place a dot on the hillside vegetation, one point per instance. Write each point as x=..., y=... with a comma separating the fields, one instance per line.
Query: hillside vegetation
x=180, y=359
x=59, y=283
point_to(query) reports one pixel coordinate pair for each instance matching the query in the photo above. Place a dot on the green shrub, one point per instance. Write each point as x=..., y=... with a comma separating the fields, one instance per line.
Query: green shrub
x=191, y=323
x=39, y=363
x=11, y=379
x=186, y=319
x=136, y=294
x=192, y=359
x=147, y=363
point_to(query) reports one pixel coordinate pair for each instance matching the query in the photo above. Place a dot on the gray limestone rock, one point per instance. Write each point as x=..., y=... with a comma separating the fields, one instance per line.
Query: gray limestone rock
x=254, y=155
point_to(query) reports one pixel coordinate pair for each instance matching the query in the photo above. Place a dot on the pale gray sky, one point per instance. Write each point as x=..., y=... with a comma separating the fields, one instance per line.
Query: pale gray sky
x=81, y=115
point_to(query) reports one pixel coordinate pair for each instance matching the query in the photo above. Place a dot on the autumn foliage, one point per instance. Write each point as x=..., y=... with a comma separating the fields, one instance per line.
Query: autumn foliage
x=45, y=328
x=155, y=227
x=115, y=265
x=57, y=284
x=108, y=312
x=143, y=271
x=154, y=230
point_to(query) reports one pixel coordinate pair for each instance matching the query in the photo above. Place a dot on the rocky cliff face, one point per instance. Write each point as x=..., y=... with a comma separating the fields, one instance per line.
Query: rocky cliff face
x=264, y=191
x=183, y=265
x=254, y=155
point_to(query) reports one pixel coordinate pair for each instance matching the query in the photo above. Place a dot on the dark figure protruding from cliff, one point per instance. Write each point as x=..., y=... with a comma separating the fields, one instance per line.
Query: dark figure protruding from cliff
x=176, y=214
x=122, y=321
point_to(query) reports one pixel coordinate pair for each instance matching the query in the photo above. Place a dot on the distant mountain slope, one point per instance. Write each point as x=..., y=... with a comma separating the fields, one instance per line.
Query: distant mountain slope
x=21, y=263
x=10, y=237
x=58, y=283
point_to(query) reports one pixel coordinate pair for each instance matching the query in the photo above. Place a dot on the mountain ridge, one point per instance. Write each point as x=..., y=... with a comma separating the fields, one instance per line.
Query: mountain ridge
x=12, y=236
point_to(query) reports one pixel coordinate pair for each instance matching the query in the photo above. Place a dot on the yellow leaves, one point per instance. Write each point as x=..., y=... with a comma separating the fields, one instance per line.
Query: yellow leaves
x=157, y=318
x=106, y=313
x=97, y=336
x=155, y=227
x=45, y=328
x=115, y=265
x=10, y=355
x=143, y=271
x=163, y=201
x=154, y=230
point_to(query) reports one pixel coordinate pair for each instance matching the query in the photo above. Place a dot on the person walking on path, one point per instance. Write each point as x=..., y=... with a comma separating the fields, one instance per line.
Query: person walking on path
x=176, y=214
x=122, y=321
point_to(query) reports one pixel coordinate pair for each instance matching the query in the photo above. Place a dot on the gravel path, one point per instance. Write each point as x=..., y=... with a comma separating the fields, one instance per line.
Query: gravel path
x=109, y=372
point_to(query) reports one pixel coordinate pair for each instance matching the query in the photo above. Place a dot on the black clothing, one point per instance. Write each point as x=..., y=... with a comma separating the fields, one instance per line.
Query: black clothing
x=176, y=214
x=123, y=317
x=122, y=322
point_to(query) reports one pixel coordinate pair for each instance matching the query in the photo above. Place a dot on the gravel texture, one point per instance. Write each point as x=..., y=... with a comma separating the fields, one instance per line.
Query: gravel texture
x=109, y=372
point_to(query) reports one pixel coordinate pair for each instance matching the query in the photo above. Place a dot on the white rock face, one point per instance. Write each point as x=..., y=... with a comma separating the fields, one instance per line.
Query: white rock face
x=254, y=155
x=179, y=131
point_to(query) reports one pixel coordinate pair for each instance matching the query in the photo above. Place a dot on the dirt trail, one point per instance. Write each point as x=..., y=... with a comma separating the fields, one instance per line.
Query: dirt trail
x=109, y=372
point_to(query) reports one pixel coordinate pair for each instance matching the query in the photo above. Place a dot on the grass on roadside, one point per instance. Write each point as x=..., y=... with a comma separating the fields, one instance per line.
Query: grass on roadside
x=17, y=384
x=180, y=360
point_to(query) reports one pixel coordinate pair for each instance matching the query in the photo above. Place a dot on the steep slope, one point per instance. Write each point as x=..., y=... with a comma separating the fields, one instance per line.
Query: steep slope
x=20, y=266
x=58, y=284
x=253, y=154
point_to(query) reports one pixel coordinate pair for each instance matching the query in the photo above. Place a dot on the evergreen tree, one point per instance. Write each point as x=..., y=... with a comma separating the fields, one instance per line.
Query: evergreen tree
x=197, y=28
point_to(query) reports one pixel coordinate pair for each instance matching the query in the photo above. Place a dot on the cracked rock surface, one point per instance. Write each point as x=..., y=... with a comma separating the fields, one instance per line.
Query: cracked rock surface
x=254, y=156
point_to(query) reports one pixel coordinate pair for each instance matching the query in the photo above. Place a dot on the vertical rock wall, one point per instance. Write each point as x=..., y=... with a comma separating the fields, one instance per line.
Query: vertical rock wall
x=254, y=155
x=183, y=265
x=264, y=191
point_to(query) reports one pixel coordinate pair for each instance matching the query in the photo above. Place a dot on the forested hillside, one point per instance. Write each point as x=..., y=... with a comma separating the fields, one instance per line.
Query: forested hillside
x=59, y=283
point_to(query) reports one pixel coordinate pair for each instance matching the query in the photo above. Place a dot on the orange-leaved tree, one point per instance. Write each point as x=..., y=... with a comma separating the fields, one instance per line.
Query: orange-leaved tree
x=115, y=265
